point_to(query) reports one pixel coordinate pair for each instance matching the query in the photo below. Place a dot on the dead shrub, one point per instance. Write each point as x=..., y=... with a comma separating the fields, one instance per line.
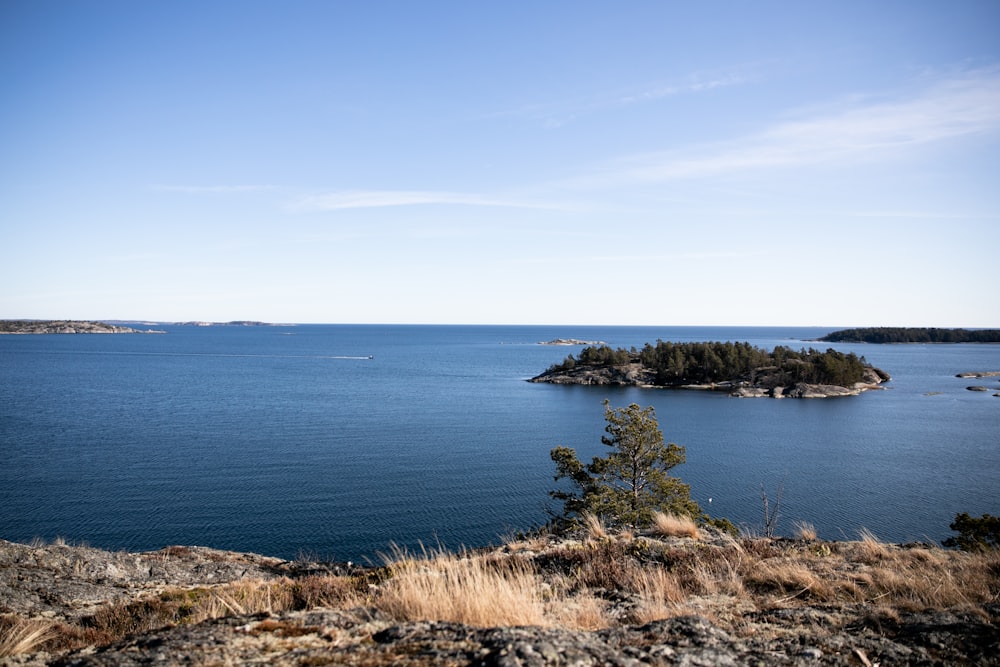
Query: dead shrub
x=325, y=591
x=177, y=551
x=597, y=565
x=788, y=579
x=281, y=628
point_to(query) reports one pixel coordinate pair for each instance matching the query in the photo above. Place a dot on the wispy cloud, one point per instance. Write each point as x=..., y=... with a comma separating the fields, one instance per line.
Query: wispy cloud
x=925, y=215
x=644, y=259
x=212, y=189
x=335, y=201
x=694, y=84
x=561, y=112
x=954, y=108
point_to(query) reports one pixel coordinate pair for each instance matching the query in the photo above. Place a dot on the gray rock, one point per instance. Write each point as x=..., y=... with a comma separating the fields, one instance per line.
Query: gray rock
x=64, y=582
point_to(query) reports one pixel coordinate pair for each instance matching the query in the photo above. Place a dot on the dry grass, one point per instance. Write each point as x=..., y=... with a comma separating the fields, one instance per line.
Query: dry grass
x=178, y=606
x=473, y=591
x=669, y=525
x=582, y=611
x=18, y=635
x=585, y=585
x=594, y=526
x=784, y=580
x=870, y=548
x=805, y=531
x=660, y=595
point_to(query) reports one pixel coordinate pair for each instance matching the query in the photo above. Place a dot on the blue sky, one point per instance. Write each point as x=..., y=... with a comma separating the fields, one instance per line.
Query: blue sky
x=660, y=163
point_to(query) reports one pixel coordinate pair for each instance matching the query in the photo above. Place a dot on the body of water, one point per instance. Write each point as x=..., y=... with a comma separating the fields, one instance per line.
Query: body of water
x=338, y=440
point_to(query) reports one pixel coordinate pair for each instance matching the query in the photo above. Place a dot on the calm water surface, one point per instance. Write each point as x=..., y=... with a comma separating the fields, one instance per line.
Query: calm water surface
x=283, y=440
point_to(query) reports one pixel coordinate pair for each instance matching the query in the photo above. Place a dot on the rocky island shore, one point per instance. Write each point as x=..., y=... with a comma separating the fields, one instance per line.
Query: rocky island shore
x=66, y=327
x=590, y=598
x=735, y=368
x=571, y=341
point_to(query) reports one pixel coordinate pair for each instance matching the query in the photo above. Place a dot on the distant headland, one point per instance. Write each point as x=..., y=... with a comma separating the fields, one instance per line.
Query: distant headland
x=912, y=335
x=66, y=327
x=234, y=323
x=738, y=368
x=110, y=327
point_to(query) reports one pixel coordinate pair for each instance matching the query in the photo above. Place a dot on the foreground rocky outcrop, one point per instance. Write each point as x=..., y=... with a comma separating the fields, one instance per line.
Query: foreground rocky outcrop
x=596, y=600
x=367, y=637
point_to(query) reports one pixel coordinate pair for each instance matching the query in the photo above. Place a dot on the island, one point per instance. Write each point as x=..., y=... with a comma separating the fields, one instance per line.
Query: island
x=66, y=327
x=740, y=369
x=234, y=323
x=912, y=335
x=571, y=341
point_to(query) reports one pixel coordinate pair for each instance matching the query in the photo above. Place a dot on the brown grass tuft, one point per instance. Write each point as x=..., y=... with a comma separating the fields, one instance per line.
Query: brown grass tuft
x=594, y=526
x=870, y=548
x=326, y=591
x=583, y=611
x=475, y=592
x=788, y=579
x=660, y=595
x=18, y=635
x=670, y=525
x=805, y=531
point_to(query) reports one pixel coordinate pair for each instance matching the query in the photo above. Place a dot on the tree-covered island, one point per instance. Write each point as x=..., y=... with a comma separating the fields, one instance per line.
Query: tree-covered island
x=912, y=335
x=739, y=368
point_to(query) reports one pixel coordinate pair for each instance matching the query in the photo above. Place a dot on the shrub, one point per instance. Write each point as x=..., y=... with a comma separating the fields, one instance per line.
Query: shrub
x=975, y=534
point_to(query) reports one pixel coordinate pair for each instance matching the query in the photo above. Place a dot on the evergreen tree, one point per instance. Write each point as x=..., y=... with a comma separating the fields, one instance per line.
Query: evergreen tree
x=975, y=533
x=632, y=482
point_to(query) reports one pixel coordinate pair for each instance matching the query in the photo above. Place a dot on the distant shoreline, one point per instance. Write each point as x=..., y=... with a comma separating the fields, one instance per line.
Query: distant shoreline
x=28, y=327
x=894, y=335
x=36, y=327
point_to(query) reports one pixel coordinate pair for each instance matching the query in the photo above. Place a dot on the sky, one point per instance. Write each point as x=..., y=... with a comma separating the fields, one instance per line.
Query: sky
x=827, y=163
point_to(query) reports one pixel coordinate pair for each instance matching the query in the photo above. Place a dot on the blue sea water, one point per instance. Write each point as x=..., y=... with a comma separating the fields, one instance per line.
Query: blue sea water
x=291, y=440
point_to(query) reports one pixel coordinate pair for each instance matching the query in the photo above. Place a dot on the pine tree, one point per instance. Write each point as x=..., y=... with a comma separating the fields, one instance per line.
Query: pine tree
x=632, y=482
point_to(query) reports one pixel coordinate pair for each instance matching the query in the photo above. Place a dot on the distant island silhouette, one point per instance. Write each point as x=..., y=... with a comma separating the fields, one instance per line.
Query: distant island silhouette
x=912, y=335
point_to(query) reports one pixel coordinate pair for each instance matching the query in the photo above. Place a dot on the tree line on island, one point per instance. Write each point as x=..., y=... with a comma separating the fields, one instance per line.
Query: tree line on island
x=678, y=364
x=912, y=335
